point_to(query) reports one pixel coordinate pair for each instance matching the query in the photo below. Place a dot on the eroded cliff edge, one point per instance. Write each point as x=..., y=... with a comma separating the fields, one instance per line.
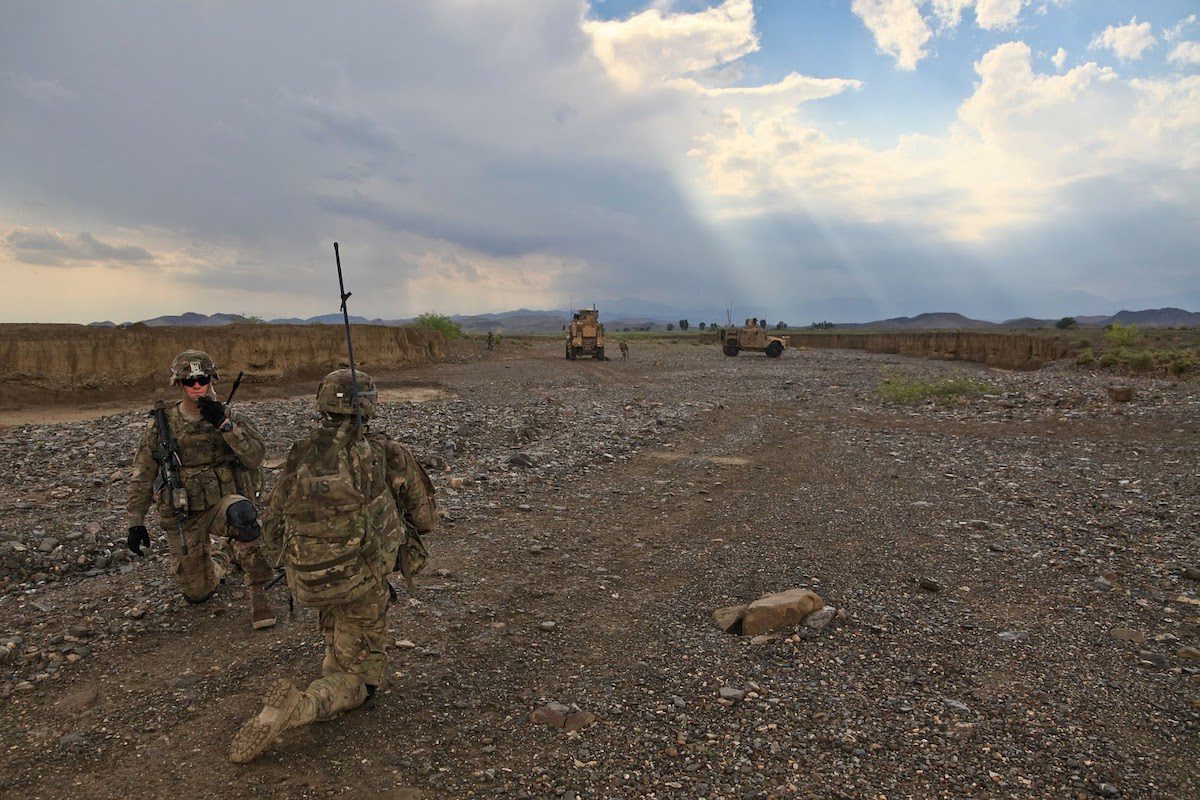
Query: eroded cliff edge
x=1003, y=350
x=78, y=363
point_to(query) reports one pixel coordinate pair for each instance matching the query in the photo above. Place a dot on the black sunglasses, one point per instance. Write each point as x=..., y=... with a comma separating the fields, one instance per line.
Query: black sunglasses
x=203, y=380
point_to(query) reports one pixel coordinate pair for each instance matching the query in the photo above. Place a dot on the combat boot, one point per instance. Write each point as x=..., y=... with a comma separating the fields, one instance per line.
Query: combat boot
x=262, y=615
x=284, y=706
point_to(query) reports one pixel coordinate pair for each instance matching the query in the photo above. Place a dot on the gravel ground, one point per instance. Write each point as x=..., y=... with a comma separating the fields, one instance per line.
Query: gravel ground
x=1015, y=578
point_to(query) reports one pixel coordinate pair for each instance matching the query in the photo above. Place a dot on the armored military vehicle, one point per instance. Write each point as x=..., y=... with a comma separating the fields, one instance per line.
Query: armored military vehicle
x=751, y=338
x=585, y=335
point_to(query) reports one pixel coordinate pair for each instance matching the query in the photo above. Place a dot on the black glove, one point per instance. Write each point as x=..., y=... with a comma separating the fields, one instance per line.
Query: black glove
x=138, y=537
x=213, y=411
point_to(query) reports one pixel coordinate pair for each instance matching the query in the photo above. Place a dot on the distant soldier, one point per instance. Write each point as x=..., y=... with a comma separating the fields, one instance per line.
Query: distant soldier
x=491, y=340
x=219, y=456
x=350, y=507
x=624, y=350
x=762, y=323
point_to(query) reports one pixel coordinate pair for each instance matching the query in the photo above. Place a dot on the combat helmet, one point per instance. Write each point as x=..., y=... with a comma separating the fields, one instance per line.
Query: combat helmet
x=333, y=394
x=192, y=364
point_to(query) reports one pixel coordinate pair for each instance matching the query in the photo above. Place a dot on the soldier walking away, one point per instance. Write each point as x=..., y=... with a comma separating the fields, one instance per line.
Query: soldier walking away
x=213, y=457
x=349, y=508
x=624, y=350
x=491, y=340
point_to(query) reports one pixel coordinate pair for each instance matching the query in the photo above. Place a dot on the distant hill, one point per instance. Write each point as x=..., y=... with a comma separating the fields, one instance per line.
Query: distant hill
x=1156, y=318
x=524, y=320
x=938, y=320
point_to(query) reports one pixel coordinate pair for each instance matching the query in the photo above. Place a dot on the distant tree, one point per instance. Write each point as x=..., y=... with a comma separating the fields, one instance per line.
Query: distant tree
x=1066, y=323
x=440, y=323
x=701, y=326
x=712, y=325
x=683, y=324
x=781, y=325
x=670, y=326
x=822, y=326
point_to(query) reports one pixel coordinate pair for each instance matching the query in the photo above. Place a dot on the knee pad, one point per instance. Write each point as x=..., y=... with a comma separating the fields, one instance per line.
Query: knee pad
x=198, y=600
x=241, y=520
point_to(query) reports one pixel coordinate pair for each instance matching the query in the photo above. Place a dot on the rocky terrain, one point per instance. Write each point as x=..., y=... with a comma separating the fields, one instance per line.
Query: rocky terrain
x=1014, y=579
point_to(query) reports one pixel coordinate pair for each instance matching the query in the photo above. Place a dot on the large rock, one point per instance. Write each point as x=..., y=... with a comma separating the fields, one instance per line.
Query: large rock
x=729, y=618
x=779, y=610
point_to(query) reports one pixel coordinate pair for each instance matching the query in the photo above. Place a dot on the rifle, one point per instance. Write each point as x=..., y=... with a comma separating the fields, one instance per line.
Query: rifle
x=349, y=342
x=168, y=470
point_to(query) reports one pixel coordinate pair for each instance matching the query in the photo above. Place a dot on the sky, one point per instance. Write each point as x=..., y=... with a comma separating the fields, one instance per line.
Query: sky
x=798, y=160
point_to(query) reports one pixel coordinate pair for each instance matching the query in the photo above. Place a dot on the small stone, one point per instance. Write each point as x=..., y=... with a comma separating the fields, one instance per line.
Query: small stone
x=1108, y=790
x=404, y=644
x=930, y=585
x=1189, y=653
x=1014, y=636
x=521, y=460
x=547, y=625
x=731, y=694
x=553, y=714
x=820, y=618
x=47, y=545
x=137, y=612
x=185, y=681
x=73, y=738
x=1191, y=573
x=1128, y=635
x=1120, y=394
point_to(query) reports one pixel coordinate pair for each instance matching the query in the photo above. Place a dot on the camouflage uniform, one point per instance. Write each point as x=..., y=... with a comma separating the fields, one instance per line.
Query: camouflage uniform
x=216, y=471
x=348, y=504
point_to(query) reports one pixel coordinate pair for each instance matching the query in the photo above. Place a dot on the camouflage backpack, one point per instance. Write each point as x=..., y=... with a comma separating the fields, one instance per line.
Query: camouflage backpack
x=339, y=517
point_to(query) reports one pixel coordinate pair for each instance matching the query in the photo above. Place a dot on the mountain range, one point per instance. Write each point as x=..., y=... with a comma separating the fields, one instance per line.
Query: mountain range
x=526, y=320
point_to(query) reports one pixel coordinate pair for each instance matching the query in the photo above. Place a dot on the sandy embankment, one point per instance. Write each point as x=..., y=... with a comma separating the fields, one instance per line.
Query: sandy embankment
x=76, y=371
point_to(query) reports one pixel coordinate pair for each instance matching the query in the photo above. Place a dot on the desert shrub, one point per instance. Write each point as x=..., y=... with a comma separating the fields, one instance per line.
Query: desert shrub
x=1086, y=358
x=1109, y=360
x=440, y=323
x=910, y=391
x=1142, y=361
x=1066, y=323
x=1123, y=335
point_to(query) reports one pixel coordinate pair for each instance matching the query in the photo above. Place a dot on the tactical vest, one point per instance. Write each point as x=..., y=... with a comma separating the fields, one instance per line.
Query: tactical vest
x=339, y=518
x=209, y=469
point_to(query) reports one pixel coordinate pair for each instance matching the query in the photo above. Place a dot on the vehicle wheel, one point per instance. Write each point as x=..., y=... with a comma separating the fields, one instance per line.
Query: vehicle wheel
x=774, y=350
x=599, y=353
x=731, y=350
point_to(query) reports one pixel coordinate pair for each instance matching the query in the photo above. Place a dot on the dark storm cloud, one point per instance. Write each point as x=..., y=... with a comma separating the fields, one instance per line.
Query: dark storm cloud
x=51, y=248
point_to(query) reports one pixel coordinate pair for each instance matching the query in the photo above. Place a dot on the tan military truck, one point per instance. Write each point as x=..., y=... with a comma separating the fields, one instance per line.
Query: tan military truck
x=752, y=338
x=585, y=335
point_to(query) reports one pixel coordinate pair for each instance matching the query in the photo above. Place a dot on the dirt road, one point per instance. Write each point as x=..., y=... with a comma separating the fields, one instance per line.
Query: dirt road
x=1016, y=576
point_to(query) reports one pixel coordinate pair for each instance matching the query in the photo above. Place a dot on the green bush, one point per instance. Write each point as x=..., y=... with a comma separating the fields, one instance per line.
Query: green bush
x=1086, y=358
x=1066, y=323
x=1142, y=361
x=440, y=323
x=1123, y=335
x=910, y=391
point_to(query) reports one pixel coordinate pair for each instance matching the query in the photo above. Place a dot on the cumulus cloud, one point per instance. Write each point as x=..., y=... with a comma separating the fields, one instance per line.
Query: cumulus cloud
x=1176, y=31
x=1019, y=140
x=49, y=247
x=997, y=14
x=649, y=46
x=1185, y=54
x=1059, y=58
x=1127, y=42
x=898, y=27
